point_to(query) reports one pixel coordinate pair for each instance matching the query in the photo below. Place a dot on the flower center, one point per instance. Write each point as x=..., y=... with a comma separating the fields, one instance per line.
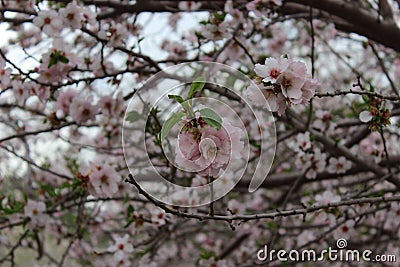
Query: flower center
x=274, y=73
x=286, y=82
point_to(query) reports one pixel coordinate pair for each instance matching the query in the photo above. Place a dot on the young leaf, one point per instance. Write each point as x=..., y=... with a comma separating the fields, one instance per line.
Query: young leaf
x=133, y=116
x=168, y=124
x=178, y=98
x=212, y=118
x=196, y=86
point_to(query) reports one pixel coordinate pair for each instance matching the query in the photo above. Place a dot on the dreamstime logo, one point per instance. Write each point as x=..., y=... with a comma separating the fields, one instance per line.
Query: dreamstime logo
x=340, y=254
x=189, y=132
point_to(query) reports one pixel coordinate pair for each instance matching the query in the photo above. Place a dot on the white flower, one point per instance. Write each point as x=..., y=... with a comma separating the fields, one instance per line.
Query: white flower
x=340, y=165
x=49, y=21
x=35, y=211
x=104, y=181
x=216, y=32
x=189, y=5
x=72, y=15
x=327, y=197
x=303, y=142
x=121, y=248
x=271, y=69
x=285, y=82
x=365, y=116
x=305, y=237
x=81, y=110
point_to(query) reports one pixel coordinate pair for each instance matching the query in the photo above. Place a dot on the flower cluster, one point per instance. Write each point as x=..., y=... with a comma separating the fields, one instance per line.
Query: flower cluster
x=80, y=109
x=52, y=22
x=283, y=82
x=102, y=180
x=262, y=6
x=206, y=150
x=378, y=115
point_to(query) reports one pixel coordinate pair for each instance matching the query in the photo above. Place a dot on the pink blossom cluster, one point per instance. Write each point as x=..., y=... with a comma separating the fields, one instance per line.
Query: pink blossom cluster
x=57, y=62
x=208, y=150
x=5, y=74
x=80, y=109
x=312, y=160
x=260, y=6
x=52, y=22
x=102, y=179
x=283, y=82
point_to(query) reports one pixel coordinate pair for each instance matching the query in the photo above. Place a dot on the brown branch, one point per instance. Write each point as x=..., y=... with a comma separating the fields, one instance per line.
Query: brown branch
x=271, y=215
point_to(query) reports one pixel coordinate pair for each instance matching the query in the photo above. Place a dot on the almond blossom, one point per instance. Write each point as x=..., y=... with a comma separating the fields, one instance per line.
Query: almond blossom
x=338, y=165
x=210, y=150
x=216, y=31
x=72, y=15
x=327, y=197
x=311, y=162
x=82, y=110
x=49, y=21
x=35, y=211
x=103, y=180
x=189, y=5
x=303, y=142
x=283, y=82
x=122, y=248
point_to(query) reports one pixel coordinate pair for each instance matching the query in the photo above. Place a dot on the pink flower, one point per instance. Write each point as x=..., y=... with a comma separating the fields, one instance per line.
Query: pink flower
x=49, y=21
x=303, y=142
x=216, y=32
x=210, y=151
x=282, y=81
x=292, y=80
x=305, y=237
x=235, y=207
x=189, y=5
x=64, y=100
x=81, y=110
x=327, y=197
x=21, y=93
x=271, y=69
x=42, y=92
x=111, y=106
x=340, y=165
x=104, y=181
x=345, y=230
x=122, y=248
x=5, y=74
x=176, y=50
x=72, y=15
x=311, y=163
x=365, y=116
x=35, y=211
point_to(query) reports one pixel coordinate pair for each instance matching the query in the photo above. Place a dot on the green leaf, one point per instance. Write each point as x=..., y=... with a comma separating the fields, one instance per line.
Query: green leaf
x=196, y=86
x=212, y=118
x=206, y=254
x=168, y=124
x=56, y=57
x=130, y=211
x=133, y=116
x=63, y=59
x=371, y=88
x=178, y=98
x=185, y=104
